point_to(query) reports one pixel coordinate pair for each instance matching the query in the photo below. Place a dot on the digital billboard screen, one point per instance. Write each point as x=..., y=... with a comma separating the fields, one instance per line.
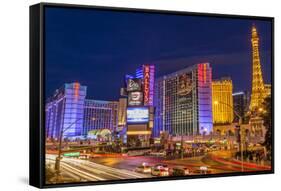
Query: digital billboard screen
x=135, y=98
x=137, y=115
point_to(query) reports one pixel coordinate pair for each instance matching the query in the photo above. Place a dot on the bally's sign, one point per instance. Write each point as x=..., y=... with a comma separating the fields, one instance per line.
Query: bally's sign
x=146, y=85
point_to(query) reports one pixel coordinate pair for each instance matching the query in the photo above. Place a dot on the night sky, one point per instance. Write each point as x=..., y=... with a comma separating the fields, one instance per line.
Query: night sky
x=97, y=48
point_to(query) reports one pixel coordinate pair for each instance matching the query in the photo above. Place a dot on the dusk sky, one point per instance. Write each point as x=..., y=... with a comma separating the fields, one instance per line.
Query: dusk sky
x=97, y=48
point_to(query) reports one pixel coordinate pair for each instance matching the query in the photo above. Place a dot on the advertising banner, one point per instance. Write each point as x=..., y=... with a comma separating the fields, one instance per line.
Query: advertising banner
x=137, y=115
x=184, y=90
x=135, y=98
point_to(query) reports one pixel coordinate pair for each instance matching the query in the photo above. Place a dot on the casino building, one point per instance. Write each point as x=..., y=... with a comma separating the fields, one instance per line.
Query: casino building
x=183, y=102
x=65, y=111
x=69, y=110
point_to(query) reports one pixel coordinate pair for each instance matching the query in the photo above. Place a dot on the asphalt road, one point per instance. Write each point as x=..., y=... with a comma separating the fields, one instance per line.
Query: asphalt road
x=122, y=167
x=89, y=171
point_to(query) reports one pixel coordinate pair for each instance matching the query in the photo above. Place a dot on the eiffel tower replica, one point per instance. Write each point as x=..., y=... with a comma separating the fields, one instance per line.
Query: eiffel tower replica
x=259, y=89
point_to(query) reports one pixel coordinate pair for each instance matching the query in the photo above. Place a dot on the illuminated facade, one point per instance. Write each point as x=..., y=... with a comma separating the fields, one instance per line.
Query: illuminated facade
x=259, y=89
x=183, y=102
x=70, y=111
x=100, y=115
x=65, y=110
x=222, y=101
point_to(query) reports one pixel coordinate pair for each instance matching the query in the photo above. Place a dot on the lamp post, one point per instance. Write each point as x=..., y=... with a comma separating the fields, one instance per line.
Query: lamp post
x=240, y=125
x=57, y=164
x=58, y=159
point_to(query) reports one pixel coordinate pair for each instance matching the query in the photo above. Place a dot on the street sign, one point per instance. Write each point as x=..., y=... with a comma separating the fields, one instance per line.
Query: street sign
x=73, y=154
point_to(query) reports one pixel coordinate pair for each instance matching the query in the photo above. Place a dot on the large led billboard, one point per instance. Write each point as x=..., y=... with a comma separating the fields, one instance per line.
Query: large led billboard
x=137, y=115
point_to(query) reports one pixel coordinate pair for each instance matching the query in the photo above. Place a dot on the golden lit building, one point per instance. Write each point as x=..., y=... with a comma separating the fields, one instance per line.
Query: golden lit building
x=222, y=101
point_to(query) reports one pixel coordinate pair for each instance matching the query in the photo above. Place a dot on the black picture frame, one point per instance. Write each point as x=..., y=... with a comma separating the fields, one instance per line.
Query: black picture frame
x=37, y=92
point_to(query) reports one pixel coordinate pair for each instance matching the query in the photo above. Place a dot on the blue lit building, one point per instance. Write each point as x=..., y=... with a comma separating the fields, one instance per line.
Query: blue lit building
x=183, y=102
x=65, y=111
x=70, y=111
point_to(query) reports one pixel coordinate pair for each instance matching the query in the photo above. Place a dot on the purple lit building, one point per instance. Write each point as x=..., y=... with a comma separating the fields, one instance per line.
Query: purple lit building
x=183, y=102
x=65, y=111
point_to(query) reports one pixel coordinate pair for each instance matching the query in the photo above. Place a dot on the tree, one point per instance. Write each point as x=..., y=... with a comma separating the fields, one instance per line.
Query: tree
x=267, y=118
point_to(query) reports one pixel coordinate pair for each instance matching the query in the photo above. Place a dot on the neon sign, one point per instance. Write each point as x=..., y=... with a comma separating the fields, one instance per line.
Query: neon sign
x=76, y=90
x=146, y=85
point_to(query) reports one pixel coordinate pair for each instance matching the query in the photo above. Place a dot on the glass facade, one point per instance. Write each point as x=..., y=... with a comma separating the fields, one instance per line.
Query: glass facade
x=183, y=103
x=100, y=115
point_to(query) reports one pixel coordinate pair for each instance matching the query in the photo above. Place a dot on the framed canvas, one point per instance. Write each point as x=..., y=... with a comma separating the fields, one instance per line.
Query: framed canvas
x=122, y=95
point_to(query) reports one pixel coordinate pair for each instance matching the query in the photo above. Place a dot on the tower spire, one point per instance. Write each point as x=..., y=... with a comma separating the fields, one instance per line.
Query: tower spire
x=258, y=90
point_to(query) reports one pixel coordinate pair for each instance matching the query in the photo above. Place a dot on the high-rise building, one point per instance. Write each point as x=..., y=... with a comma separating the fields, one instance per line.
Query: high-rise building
x=64, y=111
x=259, y=89
x=100, y=115
x=222, y=101
x=183, y=102
x=241, y=101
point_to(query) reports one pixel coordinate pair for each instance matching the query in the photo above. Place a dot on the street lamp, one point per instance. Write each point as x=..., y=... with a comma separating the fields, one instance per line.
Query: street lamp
x=58, y=159
x=240, y=125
